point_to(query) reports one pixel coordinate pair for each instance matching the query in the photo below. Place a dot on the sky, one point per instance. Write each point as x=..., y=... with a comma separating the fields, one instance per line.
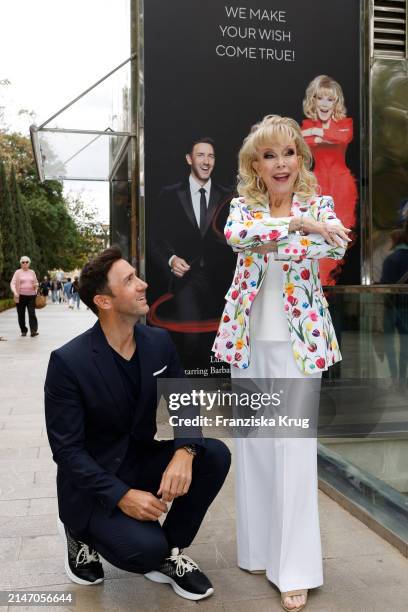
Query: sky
x=51, y=51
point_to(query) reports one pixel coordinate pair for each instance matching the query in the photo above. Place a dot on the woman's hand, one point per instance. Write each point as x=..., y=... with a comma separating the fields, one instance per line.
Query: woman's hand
x=267, y=247
x=334, y=234
x=16, y=298
x=313, y=131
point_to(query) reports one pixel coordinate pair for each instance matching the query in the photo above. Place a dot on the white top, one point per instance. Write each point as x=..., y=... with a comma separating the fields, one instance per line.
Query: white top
x=268, y=319
x=195, y=199
x=196, y=195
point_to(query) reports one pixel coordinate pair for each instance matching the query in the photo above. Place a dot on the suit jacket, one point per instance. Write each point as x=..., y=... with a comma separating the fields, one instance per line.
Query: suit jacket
x=174, y=231
x=89, y=419
x=312, y=334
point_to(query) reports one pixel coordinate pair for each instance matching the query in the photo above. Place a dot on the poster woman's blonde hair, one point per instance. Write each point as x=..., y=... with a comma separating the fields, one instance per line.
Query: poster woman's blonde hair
x=267, y=131
x=324, y=83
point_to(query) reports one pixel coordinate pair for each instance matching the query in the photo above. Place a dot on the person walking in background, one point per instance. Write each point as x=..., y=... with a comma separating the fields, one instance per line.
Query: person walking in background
x=24, y=285
x=54, y=290
x=45, y=286
x=67, y=291
x=60, y=293
x=75, y=292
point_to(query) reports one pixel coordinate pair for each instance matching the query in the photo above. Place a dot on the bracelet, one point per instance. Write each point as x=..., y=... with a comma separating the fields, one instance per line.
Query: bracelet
x=191, y=449
x=301, y=230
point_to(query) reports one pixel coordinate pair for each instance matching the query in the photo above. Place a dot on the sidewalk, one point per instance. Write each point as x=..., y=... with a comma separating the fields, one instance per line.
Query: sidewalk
x=362, y=572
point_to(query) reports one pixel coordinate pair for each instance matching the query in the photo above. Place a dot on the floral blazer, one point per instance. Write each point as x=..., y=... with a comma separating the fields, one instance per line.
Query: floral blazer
x=312, y=334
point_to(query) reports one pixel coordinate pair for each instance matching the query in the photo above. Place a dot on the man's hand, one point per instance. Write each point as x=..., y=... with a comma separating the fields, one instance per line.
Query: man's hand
x=142, y=505
x=177, y=477
x=179, y=266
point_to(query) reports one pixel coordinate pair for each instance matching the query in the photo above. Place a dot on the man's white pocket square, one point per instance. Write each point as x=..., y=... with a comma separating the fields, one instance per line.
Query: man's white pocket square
x=160, y=371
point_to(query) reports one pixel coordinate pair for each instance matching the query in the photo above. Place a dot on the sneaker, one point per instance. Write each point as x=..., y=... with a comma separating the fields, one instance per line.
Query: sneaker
x=33, y=334
x=184, y=575
x=24, y=334
x=82, y=563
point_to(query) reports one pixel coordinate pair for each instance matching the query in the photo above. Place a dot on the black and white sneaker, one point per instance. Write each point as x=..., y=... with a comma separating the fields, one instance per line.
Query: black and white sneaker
x=184, y=575
x=82, y=563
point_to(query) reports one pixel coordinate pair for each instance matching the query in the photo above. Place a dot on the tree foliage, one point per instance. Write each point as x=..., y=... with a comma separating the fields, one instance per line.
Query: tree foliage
x=8, y=230
x=36, y=219
x=1, y=256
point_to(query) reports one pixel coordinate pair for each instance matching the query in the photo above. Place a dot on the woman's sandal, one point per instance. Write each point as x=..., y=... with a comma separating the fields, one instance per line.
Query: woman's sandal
x=292, y=594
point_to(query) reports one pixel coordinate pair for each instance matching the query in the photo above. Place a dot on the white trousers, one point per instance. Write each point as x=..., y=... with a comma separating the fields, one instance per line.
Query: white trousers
x=277, y=490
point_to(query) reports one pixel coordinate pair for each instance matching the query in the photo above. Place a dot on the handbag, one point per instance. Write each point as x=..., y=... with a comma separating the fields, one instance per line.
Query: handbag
x=40, y=301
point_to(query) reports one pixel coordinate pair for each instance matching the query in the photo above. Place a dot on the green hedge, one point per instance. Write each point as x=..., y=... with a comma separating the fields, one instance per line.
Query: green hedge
x=6, y=304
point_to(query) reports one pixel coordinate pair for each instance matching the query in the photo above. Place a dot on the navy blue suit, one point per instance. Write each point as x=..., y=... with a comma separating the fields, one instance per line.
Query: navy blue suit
x=90, y=424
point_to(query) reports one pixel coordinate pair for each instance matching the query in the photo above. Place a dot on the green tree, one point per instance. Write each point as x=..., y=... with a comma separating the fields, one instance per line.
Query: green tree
x=8, y=230
x=59, y=236
x=1, y=256
x=25, y=241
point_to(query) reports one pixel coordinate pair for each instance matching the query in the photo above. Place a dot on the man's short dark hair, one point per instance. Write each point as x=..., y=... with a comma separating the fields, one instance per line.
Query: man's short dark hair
x=205, y=139
x=94, y=276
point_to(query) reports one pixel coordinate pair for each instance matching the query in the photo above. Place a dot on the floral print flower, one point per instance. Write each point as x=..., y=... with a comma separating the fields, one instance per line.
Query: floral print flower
x=248, y=260
x=274, y=235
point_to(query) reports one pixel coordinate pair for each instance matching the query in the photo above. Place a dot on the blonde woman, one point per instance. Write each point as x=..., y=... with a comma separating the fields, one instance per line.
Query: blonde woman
x=276, y=324
x=328, y=132
x=24, y=285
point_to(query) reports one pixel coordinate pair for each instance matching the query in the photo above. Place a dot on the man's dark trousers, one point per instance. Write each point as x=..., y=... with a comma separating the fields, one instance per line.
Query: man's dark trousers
x=140, y=546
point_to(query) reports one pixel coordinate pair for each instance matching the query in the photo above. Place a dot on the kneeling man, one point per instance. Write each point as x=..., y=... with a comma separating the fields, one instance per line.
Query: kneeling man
x=114, y=479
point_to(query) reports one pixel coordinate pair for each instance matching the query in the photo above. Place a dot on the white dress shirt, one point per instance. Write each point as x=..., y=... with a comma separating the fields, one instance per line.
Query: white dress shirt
x=196, y=195
x=195, y=198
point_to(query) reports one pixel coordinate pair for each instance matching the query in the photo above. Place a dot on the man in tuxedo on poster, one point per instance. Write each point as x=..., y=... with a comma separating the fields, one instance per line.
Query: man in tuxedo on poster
x=187, y=245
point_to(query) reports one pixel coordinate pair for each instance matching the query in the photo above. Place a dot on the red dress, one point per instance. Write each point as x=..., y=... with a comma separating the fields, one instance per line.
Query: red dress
x=335, y=179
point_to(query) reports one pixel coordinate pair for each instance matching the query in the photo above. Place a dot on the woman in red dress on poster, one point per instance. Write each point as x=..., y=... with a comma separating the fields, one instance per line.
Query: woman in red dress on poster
x=328, y=132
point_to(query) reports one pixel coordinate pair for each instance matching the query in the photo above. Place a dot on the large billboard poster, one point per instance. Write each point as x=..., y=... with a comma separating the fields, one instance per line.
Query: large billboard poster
x=212, y=69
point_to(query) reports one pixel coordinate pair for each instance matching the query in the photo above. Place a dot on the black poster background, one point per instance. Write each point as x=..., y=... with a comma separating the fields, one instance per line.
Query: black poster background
x=191, y=91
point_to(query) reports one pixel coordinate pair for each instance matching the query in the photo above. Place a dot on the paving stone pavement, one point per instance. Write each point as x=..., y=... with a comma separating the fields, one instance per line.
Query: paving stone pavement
x=362, y=572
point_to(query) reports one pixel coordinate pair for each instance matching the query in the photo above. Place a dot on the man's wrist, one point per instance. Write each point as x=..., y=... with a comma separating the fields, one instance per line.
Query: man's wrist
x=191, y=449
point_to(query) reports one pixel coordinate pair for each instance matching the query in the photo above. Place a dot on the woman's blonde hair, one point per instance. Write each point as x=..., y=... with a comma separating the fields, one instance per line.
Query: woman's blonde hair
x=262, y=134
x=326, y=83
